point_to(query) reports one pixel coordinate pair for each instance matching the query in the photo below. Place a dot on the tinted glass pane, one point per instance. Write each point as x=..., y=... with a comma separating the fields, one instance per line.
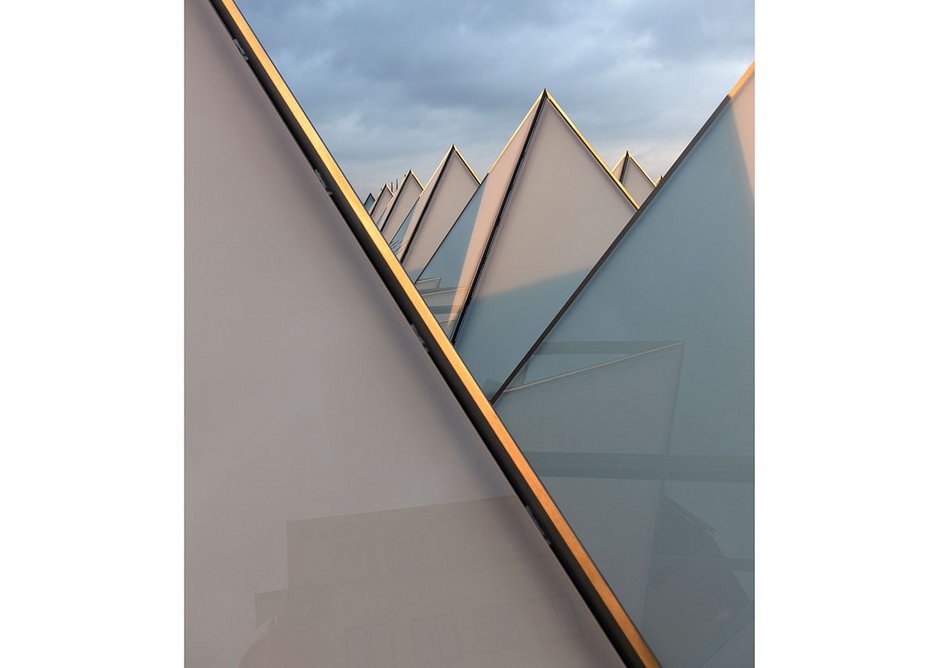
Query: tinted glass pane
x=443, y=284
x=381, y=204
x=637, y=410
x=445, y=281
x=456, y=184
x=636, y=181
x=399, y=236
x=563, y=211
x=400, y=206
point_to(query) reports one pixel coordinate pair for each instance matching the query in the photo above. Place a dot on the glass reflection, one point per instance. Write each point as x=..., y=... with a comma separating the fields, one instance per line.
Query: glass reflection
x=637, y=409
x=437, y=585
x=445, y=281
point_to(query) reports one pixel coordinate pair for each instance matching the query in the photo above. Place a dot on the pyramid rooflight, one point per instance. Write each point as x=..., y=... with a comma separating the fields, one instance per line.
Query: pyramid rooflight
x=404, y=198
x=448, y=276
x=380, y=205
x=277, y=409
x=547, y=211
x=633, y=178
x=636, y=404
x=452, y=184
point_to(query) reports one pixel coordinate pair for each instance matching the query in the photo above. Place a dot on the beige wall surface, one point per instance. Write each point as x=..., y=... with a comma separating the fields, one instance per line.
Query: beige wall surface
x=311, y=413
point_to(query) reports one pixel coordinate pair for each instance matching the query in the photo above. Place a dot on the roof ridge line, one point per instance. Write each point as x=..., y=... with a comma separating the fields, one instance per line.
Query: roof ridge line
x=585, y=141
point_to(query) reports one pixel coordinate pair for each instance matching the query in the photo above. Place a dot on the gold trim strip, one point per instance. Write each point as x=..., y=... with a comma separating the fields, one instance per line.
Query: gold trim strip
x=517, y=130
x=466, y=163
x=480, y=404
x=747, y=75
x=589, y=146
x=639, y=165
x=390, y=209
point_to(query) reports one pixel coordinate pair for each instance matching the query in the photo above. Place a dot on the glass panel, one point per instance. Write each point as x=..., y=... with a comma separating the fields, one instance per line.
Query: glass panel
x=637, y=409
x=381, y=204
x=456, y=184
x=446, y=280
x=636, y=181
x=403, y=201
x=315, y=537
x=563, y=212
x=402, y=236
x=399, y=236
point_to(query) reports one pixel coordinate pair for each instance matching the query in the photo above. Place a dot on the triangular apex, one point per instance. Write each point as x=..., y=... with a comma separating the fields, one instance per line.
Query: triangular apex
x=561, y=213
x=401, y=239
x=408, y=192
x=449, y=276
x=369, y=202
x=447, y=192
x=381, y=203
x=458, y=154
x=645, y=377
x=741, y=85
x=633, y=178
x=445, y=281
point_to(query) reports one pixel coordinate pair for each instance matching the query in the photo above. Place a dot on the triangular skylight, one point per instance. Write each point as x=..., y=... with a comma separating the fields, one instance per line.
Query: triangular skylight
x=636, y=408
x=562, y=211
x=633, y=178
x=441, y=202
x=400, y=206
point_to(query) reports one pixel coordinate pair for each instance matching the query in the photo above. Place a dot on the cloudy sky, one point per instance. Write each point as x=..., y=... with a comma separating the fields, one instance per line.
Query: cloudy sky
x=390, y=84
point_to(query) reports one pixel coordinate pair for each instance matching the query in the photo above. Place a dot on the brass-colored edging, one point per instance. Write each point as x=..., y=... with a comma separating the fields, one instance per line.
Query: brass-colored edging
x=375, y=203
x=513, y=134
x=539, y=104
x=637, y=217
x=515, y=170
x=408, y=240
x=390, y=209
x=625, y=165
x=500, y=153
x=642, y=169
x=449, y=231
x=743, y=79
x=602, y=163
x=466, y=163
x=571, y=554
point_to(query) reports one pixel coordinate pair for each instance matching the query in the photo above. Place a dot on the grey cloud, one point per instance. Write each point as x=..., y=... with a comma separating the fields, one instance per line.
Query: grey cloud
x=390, y=85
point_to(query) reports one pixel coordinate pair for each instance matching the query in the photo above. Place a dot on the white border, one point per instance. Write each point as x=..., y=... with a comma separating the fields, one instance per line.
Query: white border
x=846, y=303
x=91, y=269
x=91, y=376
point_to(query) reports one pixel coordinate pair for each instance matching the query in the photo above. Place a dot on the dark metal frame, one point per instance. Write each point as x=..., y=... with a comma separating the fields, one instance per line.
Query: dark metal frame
x=453, y=151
